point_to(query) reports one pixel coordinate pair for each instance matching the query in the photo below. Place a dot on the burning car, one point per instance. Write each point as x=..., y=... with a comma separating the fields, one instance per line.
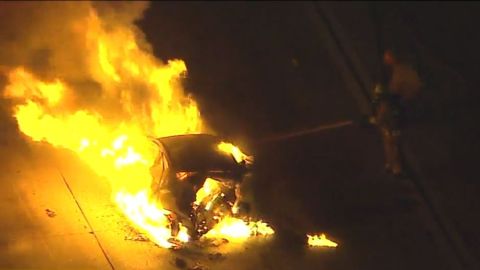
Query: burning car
x=197, y=178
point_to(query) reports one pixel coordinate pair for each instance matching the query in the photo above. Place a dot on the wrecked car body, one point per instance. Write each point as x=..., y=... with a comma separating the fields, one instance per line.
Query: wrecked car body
x=198, y=180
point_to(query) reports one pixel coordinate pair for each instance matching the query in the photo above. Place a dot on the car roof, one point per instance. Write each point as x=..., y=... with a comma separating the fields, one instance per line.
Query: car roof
x=197, y=152
x=189, y=138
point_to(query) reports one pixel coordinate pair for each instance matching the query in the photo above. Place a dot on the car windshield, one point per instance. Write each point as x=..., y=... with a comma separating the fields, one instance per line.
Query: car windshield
x=197, y=152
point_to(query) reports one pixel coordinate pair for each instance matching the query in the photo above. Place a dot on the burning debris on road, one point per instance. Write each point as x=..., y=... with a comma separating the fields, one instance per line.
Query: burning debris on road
x=320, y=241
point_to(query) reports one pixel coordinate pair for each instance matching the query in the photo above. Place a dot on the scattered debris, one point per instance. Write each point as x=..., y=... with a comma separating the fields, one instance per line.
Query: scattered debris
x=174, y=241
x=50, y=213
x=211, y=242
x=215, y=256
x=219, y=242
x=133, y=235
x=136, y=237
x=180, y=263
x=197, y=266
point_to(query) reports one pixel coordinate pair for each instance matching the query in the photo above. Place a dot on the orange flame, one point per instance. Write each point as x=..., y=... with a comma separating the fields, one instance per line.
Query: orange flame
x=230, y=228
x=233, y=150
x=148, y=99
x=235, y=229
x=139, y=97
x=320, y=241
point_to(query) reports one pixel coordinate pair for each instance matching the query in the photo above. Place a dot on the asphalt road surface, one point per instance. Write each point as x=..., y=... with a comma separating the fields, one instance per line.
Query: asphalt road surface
x=257, y=70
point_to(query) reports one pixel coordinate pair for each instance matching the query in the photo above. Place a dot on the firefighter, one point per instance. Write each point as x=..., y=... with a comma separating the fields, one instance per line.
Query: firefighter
x=399, y=84
x=387, y=115
x=387, y=118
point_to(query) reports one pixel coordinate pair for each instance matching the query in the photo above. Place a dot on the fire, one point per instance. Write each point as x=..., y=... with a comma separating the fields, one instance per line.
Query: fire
x=117, y=149
x=320, y=241
x=139, y=97
x=149, y=217
x=235, y=229
x=208, y=191
x=233, y=150
x=230, y=228
x=123, y=154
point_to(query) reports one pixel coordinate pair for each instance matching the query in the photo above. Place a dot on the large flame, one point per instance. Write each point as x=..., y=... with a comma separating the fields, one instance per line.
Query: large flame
x=139, y=97
x=117, y=148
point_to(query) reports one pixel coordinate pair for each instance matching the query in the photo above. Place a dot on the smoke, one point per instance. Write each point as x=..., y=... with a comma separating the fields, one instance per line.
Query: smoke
x=46, y=38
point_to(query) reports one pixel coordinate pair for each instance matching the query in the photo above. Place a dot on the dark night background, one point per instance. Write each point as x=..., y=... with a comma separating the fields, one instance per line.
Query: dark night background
x=263, y=69
x=259, y=69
